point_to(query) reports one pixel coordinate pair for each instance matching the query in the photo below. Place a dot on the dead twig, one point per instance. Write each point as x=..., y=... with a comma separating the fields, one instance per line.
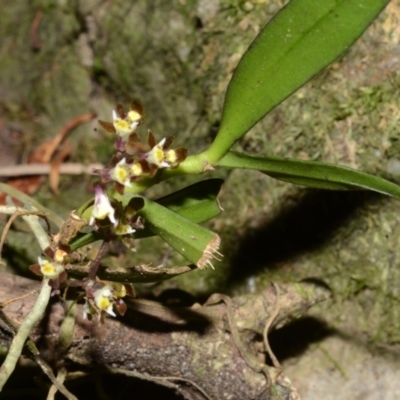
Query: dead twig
x=20, y=213
x=43, y=154
x=45, y=169
x=36, y=42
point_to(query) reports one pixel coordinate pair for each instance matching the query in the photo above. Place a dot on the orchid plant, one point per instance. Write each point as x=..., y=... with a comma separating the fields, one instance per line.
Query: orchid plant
x=315, y=32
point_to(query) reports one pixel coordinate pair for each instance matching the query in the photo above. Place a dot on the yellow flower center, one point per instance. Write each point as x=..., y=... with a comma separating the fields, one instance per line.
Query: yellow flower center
x=121, y=126
x=136, y=169
x=121, y=174
x=47, y=269
x=156, y=155
x=134, y=116
x=171, y=156
x=119, y=290
x=103, y=302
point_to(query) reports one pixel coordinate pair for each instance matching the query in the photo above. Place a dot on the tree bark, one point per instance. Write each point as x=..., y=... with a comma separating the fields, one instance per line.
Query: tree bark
x=196, y=348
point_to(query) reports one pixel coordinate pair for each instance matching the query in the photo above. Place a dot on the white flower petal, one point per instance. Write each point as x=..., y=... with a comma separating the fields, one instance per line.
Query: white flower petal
x=102, y=207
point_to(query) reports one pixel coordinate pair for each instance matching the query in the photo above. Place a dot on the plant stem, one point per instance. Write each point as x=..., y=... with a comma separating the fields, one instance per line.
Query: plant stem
x=193, y=165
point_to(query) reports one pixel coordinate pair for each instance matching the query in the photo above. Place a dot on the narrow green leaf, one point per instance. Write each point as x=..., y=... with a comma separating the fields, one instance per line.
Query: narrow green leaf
x=301, y=40
x=195, y=243
x=311, y=173
x=83, y=239
x=24, y=198
x=197, y=203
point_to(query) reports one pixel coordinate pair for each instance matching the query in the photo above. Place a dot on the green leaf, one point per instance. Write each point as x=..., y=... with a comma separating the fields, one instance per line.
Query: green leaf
x=24, y=198
x=83, y=239
x=197, y=203
x=300, y=41
x=195, y=243
x=311, y=173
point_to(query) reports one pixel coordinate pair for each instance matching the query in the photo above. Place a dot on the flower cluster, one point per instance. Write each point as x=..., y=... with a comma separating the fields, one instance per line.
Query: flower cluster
x=134, y=159
x=124, y=220
x=102, y=298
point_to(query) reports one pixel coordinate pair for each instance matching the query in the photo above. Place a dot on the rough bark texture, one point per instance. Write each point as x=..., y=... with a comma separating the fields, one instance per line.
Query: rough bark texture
x=196, y=344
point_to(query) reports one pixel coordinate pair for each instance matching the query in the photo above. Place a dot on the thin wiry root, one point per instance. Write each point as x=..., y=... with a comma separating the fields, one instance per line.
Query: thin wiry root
x=267, y=327
x=19, y=213
x=153, y=378
x=7, y=302
x=175, y=378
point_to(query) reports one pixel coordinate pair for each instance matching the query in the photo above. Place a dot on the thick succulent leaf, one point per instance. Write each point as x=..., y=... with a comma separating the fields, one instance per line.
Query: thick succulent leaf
x=197, y=203
x=196, y=243
x=301, y=40
x=311, y=173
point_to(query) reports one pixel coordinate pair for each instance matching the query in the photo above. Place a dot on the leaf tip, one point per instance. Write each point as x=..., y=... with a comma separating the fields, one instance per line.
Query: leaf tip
x=210, y=252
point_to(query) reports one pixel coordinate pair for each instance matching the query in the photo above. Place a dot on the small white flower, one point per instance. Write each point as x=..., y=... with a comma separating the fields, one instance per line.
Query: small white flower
x=50, y=270
x=156, y=155
x=103, y=300
x=123, y=127
x=120, y=173
x=102, y=207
